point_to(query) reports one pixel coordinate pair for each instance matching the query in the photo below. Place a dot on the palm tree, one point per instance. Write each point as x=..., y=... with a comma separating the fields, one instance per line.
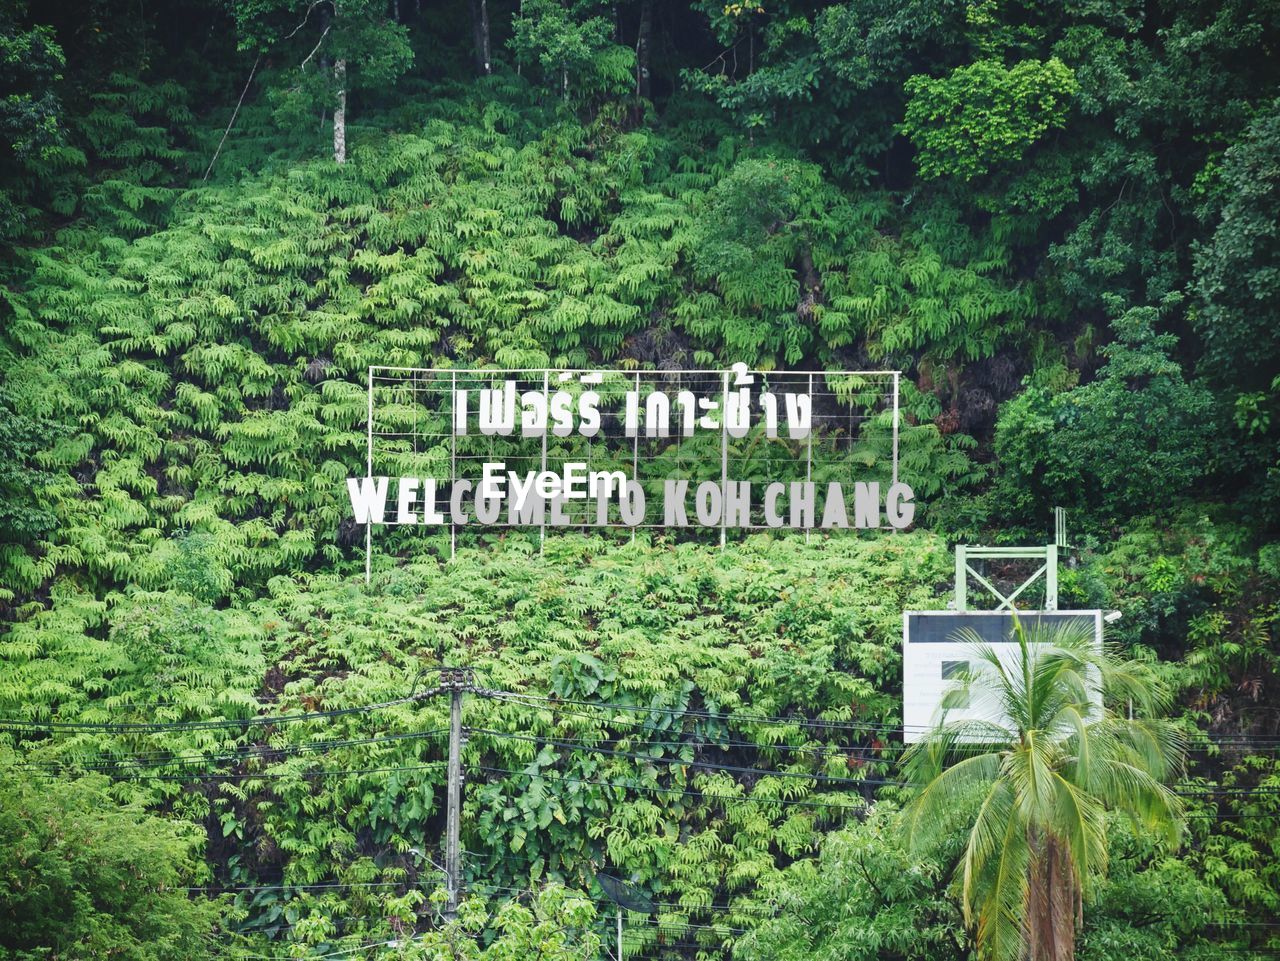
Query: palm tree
x=1033, y=787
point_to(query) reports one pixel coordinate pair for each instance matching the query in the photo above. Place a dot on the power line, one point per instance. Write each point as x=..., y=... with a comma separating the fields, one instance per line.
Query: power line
x=814, y=748
x=867, y=755
x=323, y=885
x=605, y=901
x=553, y=704
x=745, y=799
x=1230, y=816
x=573, y=746
x=20, y=726
x=1227, y=792
x=745, y=906
x=344, y=952
x=251, y=752
x=112, y=767
x=706, y=765
x=242, y=775
x=704, y=715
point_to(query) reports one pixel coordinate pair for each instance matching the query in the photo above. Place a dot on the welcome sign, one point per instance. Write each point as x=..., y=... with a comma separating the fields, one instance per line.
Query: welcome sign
x=729, y=449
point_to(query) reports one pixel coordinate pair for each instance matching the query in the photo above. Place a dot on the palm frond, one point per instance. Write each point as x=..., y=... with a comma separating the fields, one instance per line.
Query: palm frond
x=940, y=801
x=1002, y=889
x=1129, y=789
x=1082, y=822
x=990, y=827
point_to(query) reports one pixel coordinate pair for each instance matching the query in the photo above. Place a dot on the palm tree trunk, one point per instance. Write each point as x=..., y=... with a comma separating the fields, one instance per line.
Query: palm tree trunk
x=1053, y=902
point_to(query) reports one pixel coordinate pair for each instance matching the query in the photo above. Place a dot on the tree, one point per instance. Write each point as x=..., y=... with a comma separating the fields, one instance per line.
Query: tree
x=335, y=46
x=1239, y=287
x=983, y=115
x=1236, y=274
x=82, y=877
x=31, y=62
x=755, y=239
x=864, y=898
x=571, y=43
x=1034, y=787
x=1128, y=442
x=480, y=35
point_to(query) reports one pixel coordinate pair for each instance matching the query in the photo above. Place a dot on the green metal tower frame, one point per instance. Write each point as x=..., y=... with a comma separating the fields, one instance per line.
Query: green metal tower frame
x=1049, y=568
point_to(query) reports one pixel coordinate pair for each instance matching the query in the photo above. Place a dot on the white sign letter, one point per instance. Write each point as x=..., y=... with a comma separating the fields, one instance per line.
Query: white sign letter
x=368, y=498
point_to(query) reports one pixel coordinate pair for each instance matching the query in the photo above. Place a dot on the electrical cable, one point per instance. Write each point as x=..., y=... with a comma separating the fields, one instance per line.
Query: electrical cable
x=20, y=726
x=816, y=748
x=817, y=777
x=894, y=730
x=674, y=905
x=826, y=779
x=676, y=791
x=252, y=752
x=249, y=775
x=214, y=889
x=705, y=715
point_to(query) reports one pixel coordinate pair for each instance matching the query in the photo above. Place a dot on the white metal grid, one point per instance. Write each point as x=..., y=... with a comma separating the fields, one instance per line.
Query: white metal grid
x=856, y=427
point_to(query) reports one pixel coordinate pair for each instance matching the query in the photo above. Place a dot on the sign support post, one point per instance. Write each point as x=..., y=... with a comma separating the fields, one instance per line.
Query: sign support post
x=724, y=456
x=619, y=932
x=368, y=527
x=546, y=401
x=453, y=469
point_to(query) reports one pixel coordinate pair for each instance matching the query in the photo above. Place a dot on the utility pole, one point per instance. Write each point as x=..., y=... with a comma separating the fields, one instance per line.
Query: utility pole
x=455, y=679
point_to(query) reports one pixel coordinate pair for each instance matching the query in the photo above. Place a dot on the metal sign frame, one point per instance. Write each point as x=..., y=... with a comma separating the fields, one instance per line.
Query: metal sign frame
x=548, y=376
x=1048, y=554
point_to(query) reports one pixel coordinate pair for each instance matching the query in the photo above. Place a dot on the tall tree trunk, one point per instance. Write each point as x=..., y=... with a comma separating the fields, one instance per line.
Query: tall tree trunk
x=480, y=36
x=1053, y=902
x=644, y=38
x=810, y=287
x=340, y=113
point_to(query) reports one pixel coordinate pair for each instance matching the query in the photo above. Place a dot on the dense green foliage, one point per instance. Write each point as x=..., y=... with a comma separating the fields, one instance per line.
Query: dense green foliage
x=983, y=116
x=863, y=898
x=555, y=927
x=1059, y=221
x=1060, y=447
x=84, y=878
x=641, y=626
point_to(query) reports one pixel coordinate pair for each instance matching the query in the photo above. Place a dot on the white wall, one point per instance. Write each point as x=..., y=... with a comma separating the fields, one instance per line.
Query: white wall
x=922, y=681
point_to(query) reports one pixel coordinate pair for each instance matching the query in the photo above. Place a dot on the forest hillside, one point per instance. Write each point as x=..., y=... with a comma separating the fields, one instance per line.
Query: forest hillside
x=1059, y=222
